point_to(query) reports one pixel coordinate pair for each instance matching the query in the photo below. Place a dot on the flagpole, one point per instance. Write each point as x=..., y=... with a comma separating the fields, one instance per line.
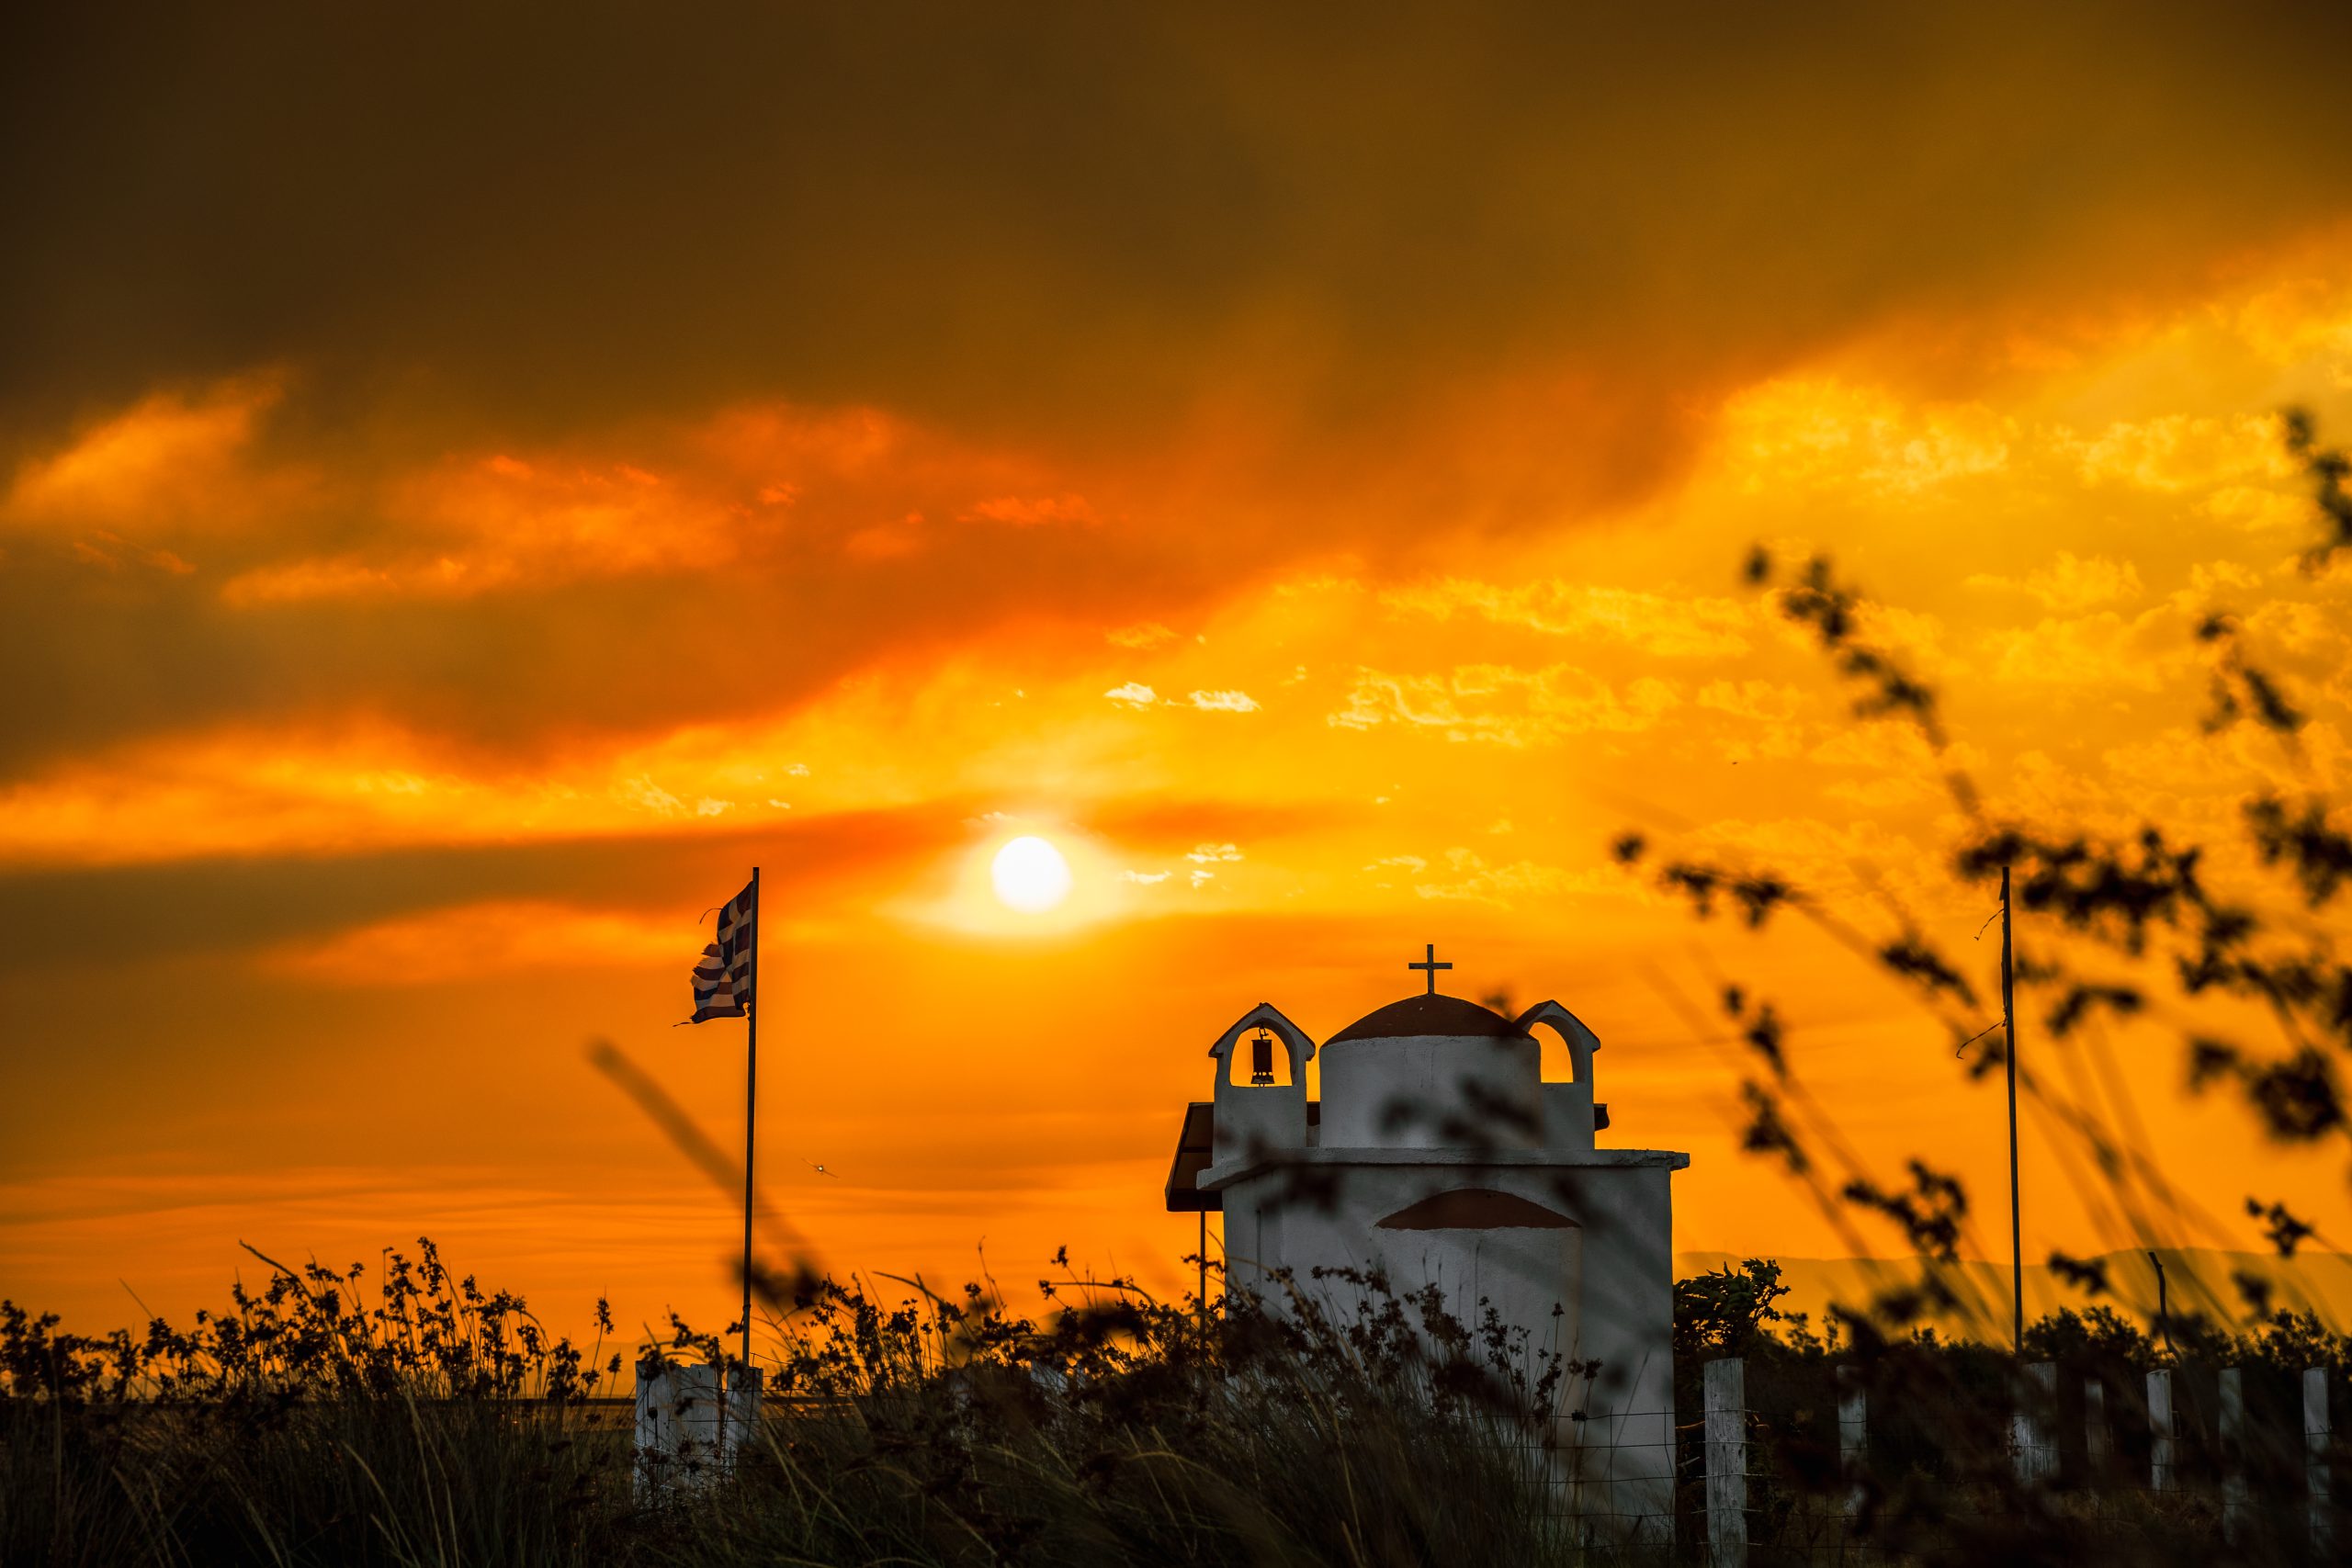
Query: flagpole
x=2009, y=1053
x=750, y=1113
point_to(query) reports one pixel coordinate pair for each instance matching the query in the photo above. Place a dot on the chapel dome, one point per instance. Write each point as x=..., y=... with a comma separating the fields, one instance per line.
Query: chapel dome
x=1417, y=1017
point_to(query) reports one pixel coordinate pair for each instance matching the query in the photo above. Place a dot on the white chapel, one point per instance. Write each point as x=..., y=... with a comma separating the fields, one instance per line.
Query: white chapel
x=1440, y=1155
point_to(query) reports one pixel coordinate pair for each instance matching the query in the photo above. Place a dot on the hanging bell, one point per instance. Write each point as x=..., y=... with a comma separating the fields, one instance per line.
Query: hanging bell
x=1261, y=1059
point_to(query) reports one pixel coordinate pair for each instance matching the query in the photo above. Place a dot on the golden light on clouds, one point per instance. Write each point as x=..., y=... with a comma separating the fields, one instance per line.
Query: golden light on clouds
x=1321, y=547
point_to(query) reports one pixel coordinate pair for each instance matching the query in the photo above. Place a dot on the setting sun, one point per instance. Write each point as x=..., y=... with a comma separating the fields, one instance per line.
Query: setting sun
x=1029, y=875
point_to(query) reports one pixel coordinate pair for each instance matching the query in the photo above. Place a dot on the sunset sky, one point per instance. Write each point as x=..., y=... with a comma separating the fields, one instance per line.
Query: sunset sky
x=473, y=485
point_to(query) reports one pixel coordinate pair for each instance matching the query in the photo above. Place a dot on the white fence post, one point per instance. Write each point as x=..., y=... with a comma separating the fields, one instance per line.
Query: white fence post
x=1727, y=1395
x=2319, y=1436
x=1853, y=1432
x=741, y=1427
x=2163, y=1470
x=2029, y=1433
x=2237, y=1504
x=688, y=1435
x=2096, y=1444
x=677, y=1428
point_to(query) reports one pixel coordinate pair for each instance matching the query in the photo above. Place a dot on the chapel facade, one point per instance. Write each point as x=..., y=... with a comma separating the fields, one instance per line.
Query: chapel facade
x=1440, y=1155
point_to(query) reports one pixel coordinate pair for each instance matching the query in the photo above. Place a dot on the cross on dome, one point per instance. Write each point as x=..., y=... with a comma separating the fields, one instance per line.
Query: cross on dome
x=1431, y=964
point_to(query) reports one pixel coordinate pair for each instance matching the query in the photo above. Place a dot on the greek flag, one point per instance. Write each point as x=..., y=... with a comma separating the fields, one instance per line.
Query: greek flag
x=723, y=978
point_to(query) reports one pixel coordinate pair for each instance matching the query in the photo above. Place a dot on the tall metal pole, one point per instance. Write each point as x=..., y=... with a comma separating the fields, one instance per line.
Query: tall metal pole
x=2009, y=1033
x=751, y=1108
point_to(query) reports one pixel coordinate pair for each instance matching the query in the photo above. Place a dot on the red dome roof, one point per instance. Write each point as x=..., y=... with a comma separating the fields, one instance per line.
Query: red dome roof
x=1426, y=1015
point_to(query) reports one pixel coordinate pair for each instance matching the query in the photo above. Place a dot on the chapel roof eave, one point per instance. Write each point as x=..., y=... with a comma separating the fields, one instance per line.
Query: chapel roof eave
x=1219, y=1176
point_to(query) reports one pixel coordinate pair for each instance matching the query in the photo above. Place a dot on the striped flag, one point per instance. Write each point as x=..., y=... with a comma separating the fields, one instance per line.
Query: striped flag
x=723, y=978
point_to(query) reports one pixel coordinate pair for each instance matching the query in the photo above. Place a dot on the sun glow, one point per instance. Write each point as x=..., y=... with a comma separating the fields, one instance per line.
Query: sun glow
x=1029, y=875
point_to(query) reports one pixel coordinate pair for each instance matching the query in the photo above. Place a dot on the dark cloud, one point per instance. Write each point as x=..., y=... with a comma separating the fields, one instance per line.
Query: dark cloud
x=1094, y=216
x=91, y=919
x=534, y=668
x=1262, y=286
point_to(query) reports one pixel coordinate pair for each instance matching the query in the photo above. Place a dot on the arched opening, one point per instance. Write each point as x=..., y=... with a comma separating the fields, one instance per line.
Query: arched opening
x=1259, y=1060
x=1558, y=1064
x=1565, y=1045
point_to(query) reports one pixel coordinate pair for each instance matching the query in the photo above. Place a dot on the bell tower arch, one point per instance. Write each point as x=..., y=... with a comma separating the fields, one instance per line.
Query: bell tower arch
x=1571, y=1116
x=1258, y=1112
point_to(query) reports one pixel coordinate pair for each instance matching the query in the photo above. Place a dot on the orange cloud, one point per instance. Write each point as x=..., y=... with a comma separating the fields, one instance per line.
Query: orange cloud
x=1686, y=627
x=500, y=524
x=504, y=937
x=173, y=460
x=1026, y=511
x=1506, y=706
x=2073, y=583
x=737, y=493
x=2172, y=453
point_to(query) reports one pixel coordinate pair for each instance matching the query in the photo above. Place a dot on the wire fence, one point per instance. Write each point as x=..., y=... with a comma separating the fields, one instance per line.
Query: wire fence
x=1822, y=1464
x=1818, y=1462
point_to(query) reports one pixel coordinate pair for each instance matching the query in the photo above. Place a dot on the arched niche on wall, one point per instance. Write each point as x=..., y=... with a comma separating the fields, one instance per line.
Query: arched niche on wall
x=1476, y=1209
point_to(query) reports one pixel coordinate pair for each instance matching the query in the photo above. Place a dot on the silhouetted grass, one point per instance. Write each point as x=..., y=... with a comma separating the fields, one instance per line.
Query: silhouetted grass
x=440, y=1426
